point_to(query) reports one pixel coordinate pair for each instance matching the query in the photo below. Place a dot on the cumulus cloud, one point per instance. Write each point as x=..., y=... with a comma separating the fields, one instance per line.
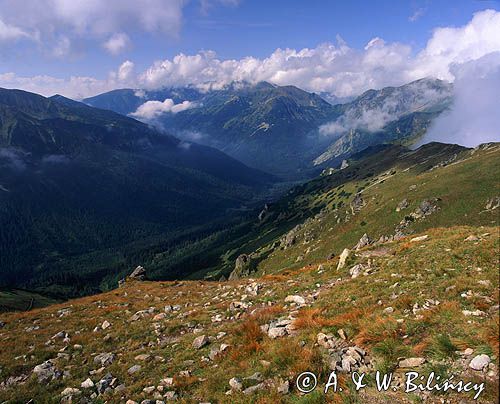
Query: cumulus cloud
x=126, y=71
x=474, y=115
x=335, y=68
x=117, y=43
x=151, y=110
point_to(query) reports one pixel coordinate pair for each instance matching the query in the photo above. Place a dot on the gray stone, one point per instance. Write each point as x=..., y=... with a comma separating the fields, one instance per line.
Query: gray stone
x=342, y=259
x=295, y=299
x=200, y=342
x=254, y=389
x=236, y=384
x=479, y=362
x=138, y=274
x=411, y=362
x=133, y=369
x=277, y=332
x=104, y=359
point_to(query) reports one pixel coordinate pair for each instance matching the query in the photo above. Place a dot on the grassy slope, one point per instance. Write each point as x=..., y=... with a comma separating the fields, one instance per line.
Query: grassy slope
x=442, y=267
x=384, y=180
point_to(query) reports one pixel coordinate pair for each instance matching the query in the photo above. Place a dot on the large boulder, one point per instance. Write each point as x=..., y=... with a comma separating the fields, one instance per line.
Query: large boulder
x=138, y=274
x=363, y=242
x=342, y=259
x=243, y=266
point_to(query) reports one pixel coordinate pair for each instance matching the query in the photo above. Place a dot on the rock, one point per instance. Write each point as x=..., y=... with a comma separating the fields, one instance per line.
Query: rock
x=420, y=238
x=103, y=384
x=170, y=396
x=476, y=313
x=87, y=384
x=342, y=334
x=133, y=369
x=254, y=389
x=138, y=274
x=70, y=391
x=290, y=240
x=104, y=359
x=356, y=270
x=363, y=242
x=411, y=362
x=479, y=362
x=105, y=324
x=388, y=310
x=143, y=357
x=60, y=335
x=277, y=332
x=243, y=266
x=284, y=388
x=472, y=238
x=46, y=371
x=357, y=203
x=493, y=203
x=200, y=342
x=236, y=384
x=160, y=316
x=468, y=352
x=263, y=212
x=295, y=299
x=342, y=259
x=402, y=205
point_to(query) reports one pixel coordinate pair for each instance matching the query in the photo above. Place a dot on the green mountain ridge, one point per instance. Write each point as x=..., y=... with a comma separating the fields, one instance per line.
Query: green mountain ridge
x=280, y=129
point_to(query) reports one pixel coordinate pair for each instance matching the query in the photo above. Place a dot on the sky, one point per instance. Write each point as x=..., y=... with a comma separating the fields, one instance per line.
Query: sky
x=80, y=48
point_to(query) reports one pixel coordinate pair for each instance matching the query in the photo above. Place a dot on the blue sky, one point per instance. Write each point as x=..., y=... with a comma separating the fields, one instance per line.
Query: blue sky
x=64, y=38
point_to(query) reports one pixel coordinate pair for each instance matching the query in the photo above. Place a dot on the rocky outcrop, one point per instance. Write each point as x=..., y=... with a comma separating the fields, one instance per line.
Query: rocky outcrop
x=363, y=242
x=357, y=203
x=402, y=205
x=243, y=266
x=493, y=203
x=263, y=212
x=342, y=259
x=138, y=274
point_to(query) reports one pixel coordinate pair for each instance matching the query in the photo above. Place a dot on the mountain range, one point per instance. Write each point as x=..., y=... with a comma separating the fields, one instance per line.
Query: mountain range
x=287, y=131
x=82, y=189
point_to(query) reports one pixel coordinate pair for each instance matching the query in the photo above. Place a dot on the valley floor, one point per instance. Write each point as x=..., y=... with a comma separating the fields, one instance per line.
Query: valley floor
x=428, y=302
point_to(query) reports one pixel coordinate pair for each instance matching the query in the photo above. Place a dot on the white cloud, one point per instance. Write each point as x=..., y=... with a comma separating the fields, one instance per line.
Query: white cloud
x=126, y=71
x=89, y=19
x=337, y=68
x=11, y=32
x=330, y=67
x=151, y=110
x=417, y=14
x=62, y=48
x=372, y=113
x=474, y=116
x=117, y=43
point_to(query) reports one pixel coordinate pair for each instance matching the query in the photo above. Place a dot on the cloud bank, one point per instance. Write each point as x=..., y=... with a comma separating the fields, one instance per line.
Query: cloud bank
x=474, y=117
x=335, y=68
x=373, y=113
